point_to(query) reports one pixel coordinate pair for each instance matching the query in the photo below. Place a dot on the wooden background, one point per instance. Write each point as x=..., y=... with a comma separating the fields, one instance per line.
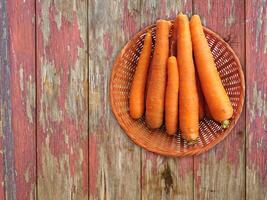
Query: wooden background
x=58, y=136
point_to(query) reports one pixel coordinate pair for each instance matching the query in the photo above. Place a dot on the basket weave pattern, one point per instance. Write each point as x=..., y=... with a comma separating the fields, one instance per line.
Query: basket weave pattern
x=158, y=141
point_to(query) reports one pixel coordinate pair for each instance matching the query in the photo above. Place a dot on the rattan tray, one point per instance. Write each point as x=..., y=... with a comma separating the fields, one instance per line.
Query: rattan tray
x=158, y=141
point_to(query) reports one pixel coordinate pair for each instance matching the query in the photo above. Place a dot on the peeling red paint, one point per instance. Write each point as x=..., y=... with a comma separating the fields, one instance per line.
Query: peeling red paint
x=129, y=24
x=227, y=149
x=257, y=152
x=256, y=117
x=162, y=10
x=149, y=157
x=85, y=165
x=197, y=184
x=172, y=14
x=185, y=167
x=2, y=193
x=93, y=161
x=153, y=159
x=58, y=54
x=22, y=60
x=65, y=52
x=233, y=156
x=146, y=20
x=220, y=151
x=107, y=44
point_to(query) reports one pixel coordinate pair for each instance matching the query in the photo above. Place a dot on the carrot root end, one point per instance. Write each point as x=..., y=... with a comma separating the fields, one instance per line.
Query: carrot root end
x=225, y=124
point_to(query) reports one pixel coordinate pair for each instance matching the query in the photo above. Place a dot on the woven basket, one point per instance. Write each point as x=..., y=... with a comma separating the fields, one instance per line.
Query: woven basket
x=158, y=141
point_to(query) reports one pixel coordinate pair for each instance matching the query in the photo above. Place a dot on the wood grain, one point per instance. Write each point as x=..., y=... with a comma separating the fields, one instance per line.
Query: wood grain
x=7, y=172
x=256, y=115
x=106, y=164
x=165, y=178
x=220, y=173
x=22, y=83
x=62, y=100
x=114, y=160
x=18, y=178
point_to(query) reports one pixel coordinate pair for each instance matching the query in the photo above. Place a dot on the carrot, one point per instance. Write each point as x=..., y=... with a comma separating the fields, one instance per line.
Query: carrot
x=171, y=97
x=188, y=97
x=200, y=99
x=149, y=70
x=137, y=93
x=156, y=88
x=217, y=99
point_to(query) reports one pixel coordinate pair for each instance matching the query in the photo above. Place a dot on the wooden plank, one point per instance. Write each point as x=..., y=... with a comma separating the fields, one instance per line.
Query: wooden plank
x=256, y=115
x=114, y=160
x=220, y=173
x=62, y=100
x=22, y=77
x=7, y=172
x=18, y=100
x=165, y=178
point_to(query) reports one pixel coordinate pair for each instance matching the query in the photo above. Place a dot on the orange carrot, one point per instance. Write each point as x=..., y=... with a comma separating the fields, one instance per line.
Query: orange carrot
x=200, y=99
x=171, y=97
x=156, y=88
x=137, y=94
x=188, y=97
x=217, y=99
x=149, y=70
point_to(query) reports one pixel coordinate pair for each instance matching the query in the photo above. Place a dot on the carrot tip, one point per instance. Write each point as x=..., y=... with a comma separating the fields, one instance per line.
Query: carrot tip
x=225, y=124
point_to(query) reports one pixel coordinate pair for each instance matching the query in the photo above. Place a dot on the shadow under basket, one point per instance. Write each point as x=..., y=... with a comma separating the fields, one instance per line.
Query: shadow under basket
x=158, y=141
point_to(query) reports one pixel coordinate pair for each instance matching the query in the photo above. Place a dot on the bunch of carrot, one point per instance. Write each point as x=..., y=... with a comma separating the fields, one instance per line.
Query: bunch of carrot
x=178, y=90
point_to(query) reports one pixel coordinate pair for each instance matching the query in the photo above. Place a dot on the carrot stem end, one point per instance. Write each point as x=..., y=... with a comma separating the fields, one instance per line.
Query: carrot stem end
x=225, y=124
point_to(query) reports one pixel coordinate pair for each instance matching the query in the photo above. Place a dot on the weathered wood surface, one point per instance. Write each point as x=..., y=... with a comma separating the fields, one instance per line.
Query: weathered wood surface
x=256, y=115
x=18, y=100
x=22, y=80
x=62, y=100
x=165, y=178
x=45, y=149
x=6, y=134
x=114, y=160
x=220, y=173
